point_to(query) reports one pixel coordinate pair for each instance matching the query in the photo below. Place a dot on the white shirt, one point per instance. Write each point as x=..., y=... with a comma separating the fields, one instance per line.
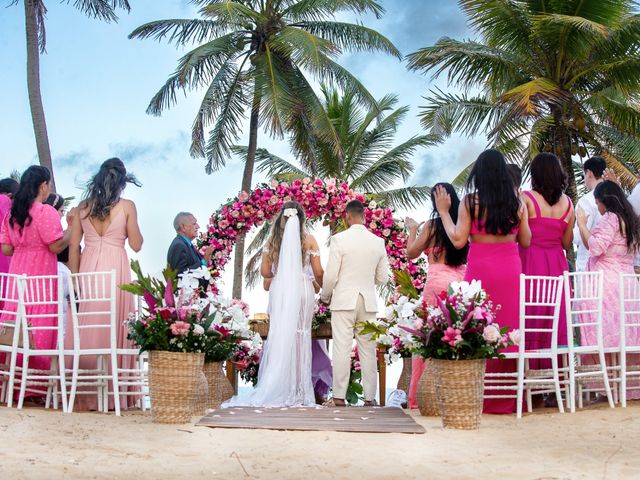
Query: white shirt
x=588, y=204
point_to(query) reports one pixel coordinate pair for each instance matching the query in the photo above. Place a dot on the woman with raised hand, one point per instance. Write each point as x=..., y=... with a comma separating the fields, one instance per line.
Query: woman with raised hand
x=32, y=236
x=446, y=264
x=493, y=218
x=105, y=221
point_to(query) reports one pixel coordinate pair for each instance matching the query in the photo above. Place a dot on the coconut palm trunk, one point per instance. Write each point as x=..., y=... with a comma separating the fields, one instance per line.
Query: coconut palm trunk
x=247, y=178
x=33, y=86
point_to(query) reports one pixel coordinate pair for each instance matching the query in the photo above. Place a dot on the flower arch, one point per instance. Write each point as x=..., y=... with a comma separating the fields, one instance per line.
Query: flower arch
x=323, y=201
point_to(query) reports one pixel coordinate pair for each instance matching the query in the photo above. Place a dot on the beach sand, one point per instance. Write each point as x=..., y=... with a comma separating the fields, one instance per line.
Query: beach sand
x=597, y=442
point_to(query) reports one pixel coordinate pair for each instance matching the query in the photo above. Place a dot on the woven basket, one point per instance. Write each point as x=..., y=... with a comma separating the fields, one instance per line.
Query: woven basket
x=220, y=389
x=459, y=391
x=201, y=404
x=172, y=385
x=426, y=393
x=405, y=376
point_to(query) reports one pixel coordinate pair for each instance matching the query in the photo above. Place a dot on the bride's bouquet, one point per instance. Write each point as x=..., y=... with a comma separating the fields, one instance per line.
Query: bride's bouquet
x=461, y=326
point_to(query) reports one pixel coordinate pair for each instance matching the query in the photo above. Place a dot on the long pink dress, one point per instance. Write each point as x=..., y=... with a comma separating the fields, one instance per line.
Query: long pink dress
x=101, y=254
x=546, y=257
x=5, y=208
x=31, y=256
x=498, y=267
x=439, y=276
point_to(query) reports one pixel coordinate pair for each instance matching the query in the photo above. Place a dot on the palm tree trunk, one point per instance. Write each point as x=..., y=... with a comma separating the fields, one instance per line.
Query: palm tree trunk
x=563, y=141
x=33, y=86
x=247, y=178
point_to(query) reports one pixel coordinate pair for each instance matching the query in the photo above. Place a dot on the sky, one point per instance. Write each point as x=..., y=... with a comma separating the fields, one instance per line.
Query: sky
x=96, y=85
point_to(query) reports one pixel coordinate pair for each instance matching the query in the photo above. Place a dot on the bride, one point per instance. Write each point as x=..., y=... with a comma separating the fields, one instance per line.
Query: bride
x=293, y=274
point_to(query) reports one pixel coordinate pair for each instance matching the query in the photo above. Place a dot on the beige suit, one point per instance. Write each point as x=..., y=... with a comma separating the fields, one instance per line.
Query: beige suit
x=357, y=263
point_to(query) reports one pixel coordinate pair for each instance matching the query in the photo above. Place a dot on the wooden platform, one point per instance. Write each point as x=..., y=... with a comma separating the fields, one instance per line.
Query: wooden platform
x=338, y=419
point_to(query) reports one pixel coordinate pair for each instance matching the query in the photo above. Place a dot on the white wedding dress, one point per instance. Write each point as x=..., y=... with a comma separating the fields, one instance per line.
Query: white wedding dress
x=284, y=378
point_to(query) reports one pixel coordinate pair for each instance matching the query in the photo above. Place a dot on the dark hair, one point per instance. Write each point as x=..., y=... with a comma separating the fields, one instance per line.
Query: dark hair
x=55, y=200
x=614, y=200
x=548, y=178
x=9, y=186
x=438, y=237
x=491, y=198
x=274, y=242
x=105, y=188
x=355, y=207
x=595, y=165
x=515, y=172
x=30, y=182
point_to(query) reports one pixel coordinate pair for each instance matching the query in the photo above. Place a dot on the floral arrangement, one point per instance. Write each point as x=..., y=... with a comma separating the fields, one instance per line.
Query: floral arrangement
x=247, y=359
x=355, y=392
x=321, y=315
x=461, y=326
x=186, y=318
x=322, y=200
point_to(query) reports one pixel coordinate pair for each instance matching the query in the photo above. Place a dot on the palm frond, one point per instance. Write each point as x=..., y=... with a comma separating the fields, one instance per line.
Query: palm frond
x=271, y=164
x=101, y=9
x=180, y=31
x=306, y=10
x=405, y=197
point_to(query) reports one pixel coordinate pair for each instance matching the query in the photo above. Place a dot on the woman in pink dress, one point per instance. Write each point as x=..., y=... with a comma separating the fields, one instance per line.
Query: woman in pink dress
x=105, y=221
x=32, y=236
x=551, y=221
x=8, y=188
x=446, y=265
x=612, y=244
x=493, y=218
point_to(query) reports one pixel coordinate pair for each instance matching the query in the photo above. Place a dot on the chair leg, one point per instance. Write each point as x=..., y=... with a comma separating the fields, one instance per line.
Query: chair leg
x=100, y=383
x=62, y=380
x=556, y=383
x=74, y=382
x=23, y=380
x=115, y=380
x=520, y=390
x=12, y=379
x=572, y=382
x=605, y=378
x=50, y=384
x=623, y=380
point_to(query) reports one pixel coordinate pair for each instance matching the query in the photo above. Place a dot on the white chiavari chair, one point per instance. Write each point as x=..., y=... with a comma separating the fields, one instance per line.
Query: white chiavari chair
x=584, y=300
x=42, y=314
x=629, y=332
x=10, y=327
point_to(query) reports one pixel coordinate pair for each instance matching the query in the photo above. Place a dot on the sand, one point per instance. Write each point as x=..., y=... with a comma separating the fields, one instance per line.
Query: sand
x=597, y=442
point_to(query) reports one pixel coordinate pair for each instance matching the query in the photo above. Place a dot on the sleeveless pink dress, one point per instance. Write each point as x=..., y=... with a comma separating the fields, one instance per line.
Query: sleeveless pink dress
x=439, y=276
x=498, y=267
x=101, y=254
x=545, y=256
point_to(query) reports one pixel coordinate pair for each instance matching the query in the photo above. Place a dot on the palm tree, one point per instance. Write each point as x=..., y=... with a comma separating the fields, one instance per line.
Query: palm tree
x=256, y=55
x=371, y=164
x=35, y=12
x=550, y=76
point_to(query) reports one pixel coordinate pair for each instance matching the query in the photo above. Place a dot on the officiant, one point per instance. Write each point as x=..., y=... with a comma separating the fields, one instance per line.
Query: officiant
x=182, y=254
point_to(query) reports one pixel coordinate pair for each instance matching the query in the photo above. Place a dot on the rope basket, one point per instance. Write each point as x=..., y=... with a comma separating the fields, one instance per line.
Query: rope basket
x=405, y=376
x=202, y=395
x=426, y=393
x=459, y=391
x=172, y=385
x=220, y=389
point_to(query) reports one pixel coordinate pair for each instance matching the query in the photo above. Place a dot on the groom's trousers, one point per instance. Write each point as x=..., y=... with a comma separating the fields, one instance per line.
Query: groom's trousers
x=343, y=327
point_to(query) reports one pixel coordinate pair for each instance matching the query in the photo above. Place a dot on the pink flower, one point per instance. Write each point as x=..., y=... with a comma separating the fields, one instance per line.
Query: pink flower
x=478, y=313
x=183, y=312
x=180, y=328
x=243, y=196
x=452, y=336
x=491, y=334
x=515, y=336
x=418, y=324
x=386, y=232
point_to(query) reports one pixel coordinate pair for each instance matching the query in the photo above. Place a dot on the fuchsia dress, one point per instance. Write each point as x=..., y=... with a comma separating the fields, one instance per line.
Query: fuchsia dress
x=498, y=267
x=5, y=208
x=439, y=276
x=31, y=256
x=546, y=257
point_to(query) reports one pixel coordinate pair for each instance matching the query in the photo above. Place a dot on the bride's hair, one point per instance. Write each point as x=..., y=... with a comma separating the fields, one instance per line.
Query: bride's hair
x=277, y=232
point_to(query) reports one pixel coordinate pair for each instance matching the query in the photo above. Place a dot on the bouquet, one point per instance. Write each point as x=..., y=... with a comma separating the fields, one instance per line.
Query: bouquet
x=247, y=359
x=461, y=326
x=181, y=317
x=321, y=315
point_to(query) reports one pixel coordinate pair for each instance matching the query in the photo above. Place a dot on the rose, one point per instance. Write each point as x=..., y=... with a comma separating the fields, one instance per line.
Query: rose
x=180, y=328
x=515, y=336
x=491, y=334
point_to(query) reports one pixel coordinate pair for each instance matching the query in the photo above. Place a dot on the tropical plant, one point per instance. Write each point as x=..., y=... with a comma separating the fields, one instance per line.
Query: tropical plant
x=257, y=55
x=561, y=76
x=35, y=12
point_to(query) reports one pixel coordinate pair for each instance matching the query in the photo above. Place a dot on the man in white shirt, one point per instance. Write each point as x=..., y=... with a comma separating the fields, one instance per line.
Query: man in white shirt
x=593, y=170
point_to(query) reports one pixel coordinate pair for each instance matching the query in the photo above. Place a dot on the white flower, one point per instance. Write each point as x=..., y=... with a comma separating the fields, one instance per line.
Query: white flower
x=385, y=340
x=373, y=205
x=491, y=334
x=515, y=336
x=400, y=224
x=402, y=300
x=237, y=314
x=408, y=309
x=389, y=312
x=198, y=329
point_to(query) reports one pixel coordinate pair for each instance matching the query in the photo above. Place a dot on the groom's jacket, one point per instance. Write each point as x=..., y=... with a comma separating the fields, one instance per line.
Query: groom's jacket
x=357, y=263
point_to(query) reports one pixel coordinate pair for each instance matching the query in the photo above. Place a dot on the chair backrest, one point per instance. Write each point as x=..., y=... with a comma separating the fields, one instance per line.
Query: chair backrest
x=583, y=297
x=540, y=300
x=10, y=308
x=93, y=307
x=42, y=311
x=629, y=310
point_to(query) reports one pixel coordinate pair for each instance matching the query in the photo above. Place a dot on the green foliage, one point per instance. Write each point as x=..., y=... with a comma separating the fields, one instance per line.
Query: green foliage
x=355, y=391
x=404, y=284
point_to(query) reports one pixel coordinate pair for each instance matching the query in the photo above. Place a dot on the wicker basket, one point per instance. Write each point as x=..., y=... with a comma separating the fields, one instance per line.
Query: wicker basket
x=201, y=404
x=220, y=389
x=172, y=385
x=459, y=390
x=426, y=393
x=405, y=376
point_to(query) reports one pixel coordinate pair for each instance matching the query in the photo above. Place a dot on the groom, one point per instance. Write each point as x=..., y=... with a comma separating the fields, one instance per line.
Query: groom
x=357, y=263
